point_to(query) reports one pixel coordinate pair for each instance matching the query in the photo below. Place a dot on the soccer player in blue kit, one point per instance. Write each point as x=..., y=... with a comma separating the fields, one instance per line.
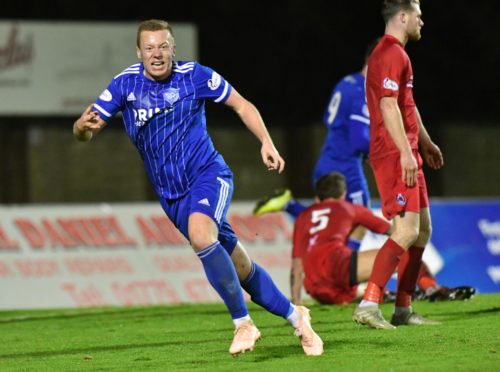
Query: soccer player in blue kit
x=163, y=107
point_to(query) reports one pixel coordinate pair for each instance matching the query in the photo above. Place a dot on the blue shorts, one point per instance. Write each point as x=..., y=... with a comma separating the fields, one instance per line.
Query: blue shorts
x=210, y=194
x=357, y=186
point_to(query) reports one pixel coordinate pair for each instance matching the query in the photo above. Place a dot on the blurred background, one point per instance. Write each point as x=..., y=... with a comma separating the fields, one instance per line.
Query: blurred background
x=284, y=56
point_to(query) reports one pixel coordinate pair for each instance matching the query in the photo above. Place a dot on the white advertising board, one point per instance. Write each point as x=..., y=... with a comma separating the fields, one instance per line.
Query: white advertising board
x=58, y=68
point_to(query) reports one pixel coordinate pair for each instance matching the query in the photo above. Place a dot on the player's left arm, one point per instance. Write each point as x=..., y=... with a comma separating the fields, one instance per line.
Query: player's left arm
x=431, y=152
x=250, y=116
x=366, y=218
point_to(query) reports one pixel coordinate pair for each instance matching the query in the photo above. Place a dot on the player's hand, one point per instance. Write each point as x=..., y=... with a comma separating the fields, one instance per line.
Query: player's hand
x=271, y=157
x=409, y=168
x=432, y=155
x=89, y=120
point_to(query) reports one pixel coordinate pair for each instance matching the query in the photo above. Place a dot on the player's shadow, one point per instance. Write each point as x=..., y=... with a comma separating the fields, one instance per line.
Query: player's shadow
x=463, y=314
x=109, y=312
x=90, y=350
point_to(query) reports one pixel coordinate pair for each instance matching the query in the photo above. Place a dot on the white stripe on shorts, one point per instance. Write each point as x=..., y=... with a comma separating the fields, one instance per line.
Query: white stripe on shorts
x=221, y=204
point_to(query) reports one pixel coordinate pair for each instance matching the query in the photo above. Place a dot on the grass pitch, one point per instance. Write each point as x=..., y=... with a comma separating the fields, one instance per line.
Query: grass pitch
x=197, y=337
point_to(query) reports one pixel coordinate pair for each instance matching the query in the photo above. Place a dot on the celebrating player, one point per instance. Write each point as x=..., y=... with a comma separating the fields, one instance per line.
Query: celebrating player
x=396, y=130
x=163, y=106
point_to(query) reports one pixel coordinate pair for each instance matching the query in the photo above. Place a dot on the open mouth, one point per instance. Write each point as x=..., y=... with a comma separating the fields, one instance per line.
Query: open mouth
x=158, y=63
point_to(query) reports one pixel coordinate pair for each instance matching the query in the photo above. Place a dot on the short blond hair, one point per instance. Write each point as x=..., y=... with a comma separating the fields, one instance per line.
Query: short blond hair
x=153, y=25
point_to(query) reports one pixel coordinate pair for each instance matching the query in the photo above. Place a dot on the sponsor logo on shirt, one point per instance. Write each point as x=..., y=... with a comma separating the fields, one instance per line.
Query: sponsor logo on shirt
x=171, y=95
x=142, y=116
x=131, y=97
x=106, y=96
x=215, y=81
x=390, y=84
x=409, y=84
x=400, y=198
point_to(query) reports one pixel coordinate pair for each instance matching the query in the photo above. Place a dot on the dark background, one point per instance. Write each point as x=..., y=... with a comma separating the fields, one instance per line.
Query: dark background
x=286, y=56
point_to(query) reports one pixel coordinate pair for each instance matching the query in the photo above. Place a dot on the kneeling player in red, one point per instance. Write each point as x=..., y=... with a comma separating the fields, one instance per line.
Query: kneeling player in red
x=332, y=269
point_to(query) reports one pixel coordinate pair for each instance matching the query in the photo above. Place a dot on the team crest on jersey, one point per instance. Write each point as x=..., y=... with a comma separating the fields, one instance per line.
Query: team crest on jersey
x=400, y=198
x=171, y=95
x=106, y=96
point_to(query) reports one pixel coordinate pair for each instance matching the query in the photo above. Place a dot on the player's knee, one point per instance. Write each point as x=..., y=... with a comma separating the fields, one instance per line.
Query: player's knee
x=202, y=231
x=406, y=236
x=200, y=240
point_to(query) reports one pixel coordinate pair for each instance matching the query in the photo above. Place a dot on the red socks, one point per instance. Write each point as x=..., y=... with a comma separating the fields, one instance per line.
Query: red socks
x=425, y=278
x=385, y=263
x=408, y=271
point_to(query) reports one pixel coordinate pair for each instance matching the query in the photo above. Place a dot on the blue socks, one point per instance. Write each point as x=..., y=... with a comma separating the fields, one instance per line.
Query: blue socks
x=264, y=292
x=354, y=244
x=222, y=276
x=294, y=208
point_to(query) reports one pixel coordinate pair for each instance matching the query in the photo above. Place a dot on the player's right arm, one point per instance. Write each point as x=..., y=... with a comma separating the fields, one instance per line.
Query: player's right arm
x=296, y=279
x=88, y=124
x=106, y=106
x=393, y=121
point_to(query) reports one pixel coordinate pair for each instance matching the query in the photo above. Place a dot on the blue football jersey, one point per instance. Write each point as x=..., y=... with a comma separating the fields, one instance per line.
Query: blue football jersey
x=347, y=140
x=347, y=120
x=166, y=121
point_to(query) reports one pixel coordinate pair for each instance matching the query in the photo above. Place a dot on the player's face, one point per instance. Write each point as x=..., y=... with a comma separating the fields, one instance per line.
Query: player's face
x=414, y=23
x=156, y=50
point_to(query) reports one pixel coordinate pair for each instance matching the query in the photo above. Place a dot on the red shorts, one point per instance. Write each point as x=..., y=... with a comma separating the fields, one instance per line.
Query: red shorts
x=395, y=195
x=328, y=275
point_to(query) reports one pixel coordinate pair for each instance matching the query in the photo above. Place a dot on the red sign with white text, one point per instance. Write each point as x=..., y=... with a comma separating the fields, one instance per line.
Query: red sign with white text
x=120, y=254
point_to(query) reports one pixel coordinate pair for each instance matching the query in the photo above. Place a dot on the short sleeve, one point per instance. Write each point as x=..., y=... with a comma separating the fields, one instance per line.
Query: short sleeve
x=391, y=65
x=109, y=103
x=209, y=85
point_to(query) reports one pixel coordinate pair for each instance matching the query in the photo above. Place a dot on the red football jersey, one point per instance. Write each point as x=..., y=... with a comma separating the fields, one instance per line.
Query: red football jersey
x=390, y=75
x=331, y=222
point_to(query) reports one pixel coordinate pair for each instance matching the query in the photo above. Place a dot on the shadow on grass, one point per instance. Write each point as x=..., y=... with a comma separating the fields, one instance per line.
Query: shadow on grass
x=462, y=314
x=89, y=350
x=118, y=312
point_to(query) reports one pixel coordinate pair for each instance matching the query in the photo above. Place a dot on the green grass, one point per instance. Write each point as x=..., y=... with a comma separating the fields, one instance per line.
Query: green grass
x=197, y=337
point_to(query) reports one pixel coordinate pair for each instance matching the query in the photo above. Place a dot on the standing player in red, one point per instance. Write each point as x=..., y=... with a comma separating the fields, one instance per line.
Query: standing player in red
x=396, y=131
